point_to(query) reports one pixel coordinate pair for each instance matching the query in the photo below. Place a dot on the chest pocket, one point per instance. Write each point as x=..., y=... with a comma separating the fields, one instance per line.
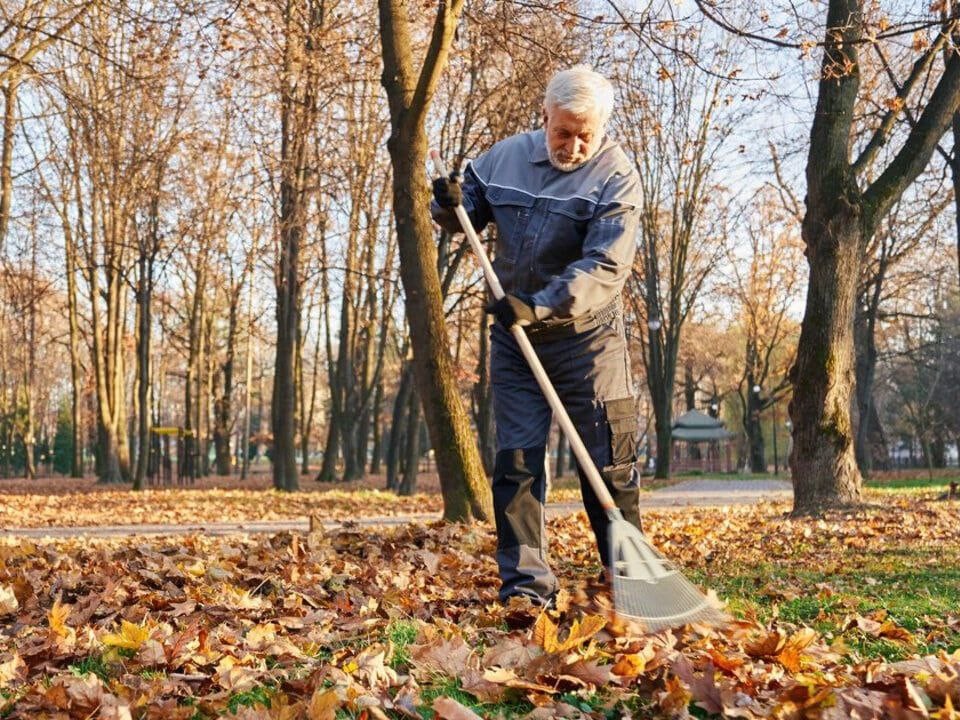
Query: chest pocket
x=511, y=211
x=560, y=242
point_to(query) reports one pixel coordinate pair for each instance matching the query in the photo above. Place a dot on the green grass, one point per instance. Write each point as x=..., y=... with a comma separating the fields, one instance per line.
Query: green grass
x=911, y=483
x=259, y=695
x=450, y=687
x=93, y=664
x=401, y=633
x=915, y=587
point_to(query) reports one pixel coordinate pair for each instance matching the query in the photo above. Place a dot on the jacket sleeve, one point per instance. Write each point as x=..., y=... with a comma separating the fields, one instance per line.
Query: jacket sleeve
x=594, y=281
x=474, y=202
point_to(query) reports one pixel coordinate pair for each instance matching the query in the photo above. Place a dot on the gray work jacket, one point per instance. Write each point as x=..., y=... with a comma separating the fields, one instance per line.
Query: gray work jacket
x=567, y=239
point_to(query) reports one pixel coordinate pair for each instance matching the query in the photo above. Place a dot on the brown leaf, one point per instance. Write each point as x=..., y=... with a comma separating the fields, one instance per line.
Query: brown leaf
x=703, y=686
x=444, y=657
x=768, y=645
x=449, y=709
x=323, y=705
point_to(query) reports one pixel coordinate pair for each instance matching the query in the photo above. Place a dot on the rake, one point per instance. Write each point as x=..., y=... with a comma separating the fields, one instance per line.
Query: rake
x=647, y=587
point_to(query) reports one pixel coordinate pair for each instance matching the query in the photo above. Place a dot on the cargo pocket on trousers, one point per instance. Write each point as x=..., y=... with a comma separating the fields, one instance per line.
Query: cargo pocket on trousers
x=624, y=424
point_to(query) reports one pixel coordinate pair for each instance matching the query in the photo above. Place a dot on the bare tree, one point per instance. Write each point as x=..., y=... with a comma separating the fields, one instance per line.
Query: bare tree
x=409, y=90
x=674, y=123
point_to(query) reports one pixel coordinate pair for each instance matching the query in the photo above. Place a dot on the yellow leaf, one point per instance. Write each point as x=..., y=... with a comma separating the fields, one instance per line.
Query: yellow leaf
x=131, y=636
x=323, y=705
x=545, y=633
x=57, y=618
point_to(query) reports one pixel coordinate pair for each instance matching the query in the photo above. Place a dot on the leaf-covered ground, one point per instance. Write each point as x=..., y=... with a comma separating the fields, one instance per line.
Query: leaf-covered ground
x=79, y=503
x=850, y=616
x=66, y=502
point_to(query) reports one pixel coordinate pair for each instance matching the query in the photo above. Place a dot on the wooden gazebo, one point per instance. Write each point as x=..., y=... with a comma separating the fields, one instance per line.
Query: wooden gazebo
x=701, y=442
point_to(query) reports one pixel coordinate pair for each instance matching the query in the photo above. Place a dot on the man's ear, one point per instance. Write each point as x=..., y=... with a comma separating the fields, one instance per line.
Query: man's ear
x=546, y=115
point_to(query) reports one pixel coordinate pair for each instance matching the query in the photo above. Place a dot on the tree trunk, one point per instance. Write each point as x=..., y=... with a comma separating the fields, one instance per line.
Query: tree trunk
x=822, y=461
x=483, y=401
x=397, y=426
x=377, y=451
x=223, y=405
x=298, y=110
x=412, y=450
x=144, y=300
x=76, y=372
x=561, y=455
x=689, y=387
x=245, y=468
x=462, y=481
x=9, y=91
x=840, y=218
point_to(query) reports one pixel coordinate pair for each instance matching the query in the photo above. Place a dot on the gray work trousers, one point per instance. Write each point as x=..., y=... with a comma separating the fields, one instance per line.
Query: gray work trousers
x=591, y=373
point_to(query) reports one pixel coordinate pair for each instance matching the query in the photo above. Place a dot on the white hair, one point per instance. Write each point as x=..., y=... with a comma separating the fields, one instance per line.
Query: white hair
x=580, y=90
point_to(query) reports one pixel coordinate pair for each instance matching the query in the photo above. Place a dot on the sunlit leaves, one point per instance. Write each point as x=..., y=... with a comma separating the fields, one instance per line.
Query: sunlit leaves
x=406, y=623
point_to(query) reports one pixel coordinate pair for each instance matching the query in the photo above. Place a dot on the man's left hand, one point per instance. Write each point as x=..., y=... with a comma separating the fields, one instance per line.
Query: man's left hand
x=513, y=309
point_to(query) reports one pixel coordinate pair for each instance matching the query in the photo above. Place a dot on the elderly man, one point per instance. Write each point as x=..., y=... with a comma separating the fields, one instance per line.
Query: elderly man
x=565, y=202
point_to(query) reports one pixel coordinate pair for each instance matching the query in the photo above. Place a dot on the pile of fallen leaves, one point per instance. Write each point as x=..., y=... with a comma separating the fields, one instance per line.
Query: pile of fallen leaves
x=405, y=623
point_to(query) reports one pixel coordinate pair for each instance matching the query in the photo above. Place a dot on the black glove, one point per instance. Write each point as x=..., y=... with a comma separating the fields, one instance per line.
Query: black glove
x=512, y=309
x=447, y=191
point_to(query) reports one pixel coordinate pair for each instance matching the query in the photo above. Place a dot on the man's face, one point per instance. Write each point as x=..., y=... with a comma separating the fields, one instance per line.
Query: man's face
x=571, y=139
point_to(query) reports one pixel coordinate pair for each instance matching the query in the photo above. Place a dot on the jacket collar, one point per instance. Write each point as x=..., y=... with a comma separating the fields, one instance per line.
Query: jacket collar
x=538, y=153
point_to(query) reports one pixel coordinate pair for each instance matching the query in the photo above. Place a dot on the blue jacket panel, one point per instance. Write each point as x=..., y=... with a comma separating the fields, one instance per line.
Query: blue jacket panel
x=567, y=239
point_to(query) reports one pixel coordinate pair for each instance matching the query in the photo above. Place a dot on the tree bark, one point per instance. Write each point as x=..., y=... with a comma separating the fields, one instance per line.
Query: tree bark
x=462, y=481
x=298, y=110
x=398, y=426
x=840, y=218
x=412, y=449
x=483, y=401
x=9, y=91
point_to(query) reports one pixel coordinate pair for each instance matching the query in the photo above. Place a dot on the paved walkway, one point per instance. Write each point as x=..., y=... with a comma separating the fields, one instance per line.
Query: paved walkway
x=687, y=493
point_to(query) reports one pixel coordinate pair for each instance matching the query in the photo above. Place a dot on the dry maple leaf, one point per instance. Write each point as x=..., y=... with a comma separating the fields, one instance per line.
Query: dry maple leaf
x=323, y=704
x=768, y=645
x=12, y=669
x=8, y=600
x=449, y=709
x=130, y=637
x=545, y=632
x=57, y=619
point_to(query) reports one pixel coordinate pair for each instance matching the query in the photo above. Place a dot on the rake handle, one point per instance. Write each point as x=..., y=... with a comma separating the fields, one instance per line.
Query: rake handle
x=526, y=347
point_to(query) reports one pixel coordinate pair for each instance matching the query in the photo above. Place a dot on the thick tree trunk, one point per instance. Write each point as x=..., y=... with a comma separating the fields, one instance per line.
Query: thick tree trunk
x=753, y=427
x=689, y=387
x=822, y=461
x=283, y=415
x=462, y=480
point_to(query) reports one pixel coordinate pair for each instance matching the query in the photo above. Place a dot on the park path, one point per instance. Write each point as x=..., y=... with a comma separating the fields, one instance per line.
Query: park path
x=686, y=493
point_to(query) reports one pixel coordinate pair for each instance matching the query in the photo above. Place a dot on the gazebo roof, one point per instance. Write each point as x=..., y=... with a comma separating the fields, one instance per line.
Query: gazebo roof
x=695, y=426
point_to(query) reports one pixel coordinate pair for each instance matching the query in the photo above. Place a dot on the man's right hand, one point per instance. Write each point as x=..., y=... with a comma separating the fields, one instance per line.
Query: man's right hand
x=447, y=191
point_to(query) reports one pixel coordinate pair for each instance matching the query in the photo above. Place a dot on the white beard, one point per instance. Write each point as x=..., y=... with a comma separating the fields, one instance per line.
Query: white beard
x=559, y=164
